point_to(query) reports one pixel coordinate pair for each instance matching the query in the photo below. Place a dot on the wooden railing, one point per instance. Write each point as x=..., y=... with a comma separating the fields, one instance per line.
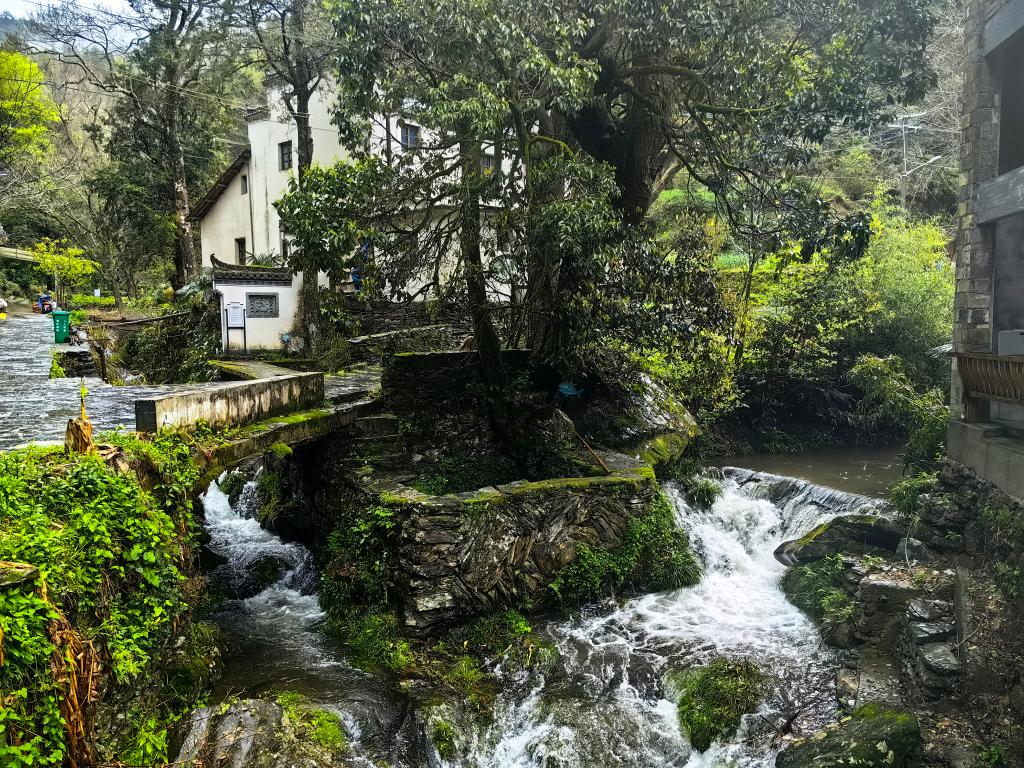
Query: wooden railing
x=987, y=378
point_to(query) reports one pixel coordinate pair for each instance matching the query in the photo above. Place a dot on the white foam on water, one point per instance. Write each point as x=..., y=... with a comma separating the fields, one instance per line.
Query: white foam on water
x=606, y=704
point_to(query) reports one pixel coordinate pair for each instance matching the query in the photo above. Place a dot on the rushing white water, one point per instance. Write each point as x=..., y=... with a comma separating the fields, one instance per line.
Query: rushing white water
x=606, y=703
x=276, y=640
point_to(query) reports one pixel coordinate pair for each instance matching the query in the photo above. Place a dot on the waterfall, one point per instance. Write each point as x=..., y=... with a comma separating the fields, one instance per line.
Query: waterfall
x=605, y=702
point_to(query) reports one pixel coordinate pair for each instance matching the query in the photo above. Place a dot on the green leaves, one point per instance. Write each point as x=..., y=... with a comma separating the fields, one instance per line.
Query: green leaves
x=110, y=557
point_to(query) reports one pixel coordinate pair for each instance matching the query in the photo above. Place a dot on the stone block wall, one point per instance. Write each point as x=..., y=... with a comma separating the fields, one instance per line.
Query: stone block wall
x=474, y=553
x=972, y=330
x=425, y=380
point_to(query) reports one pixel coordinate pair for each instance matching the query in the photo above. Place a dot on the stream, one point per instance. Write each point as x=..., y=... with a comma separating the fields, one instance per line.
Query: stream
x=605, y=701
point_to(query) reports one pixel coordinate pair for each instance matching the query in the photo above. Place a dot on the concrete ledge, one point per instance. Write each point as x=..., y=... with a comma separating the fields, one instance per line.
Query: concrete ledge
x=232, y=403
x=292, y=429
x=995, y=456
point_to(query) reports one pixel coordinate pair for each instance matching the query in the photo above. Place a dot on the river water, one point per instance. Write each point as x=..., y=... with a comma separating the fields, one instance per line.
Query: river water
x=605, y=702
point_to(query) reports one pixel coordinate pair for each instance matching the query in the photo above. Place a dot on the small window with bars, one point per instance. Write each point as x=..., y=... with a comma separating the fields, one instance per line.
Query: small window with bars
x=285, y=150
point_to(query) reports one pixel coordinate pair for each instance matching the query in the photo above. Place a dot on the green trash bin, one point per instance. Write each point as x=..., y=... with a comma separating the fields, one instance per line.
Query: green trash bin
x=61, y=325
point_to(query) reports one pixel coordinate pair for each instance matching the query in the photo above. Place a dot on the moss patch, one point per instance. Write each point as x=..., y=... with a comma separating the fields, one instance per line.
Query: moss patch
x=654, y=555
x=713, y=699
x=321, y=727
x=442, y=733
x=818, y=590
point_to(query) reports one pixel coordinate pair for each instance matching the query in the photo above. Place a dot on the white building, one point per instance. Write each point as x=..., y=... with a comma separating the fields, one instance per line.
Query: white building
x=240, y=227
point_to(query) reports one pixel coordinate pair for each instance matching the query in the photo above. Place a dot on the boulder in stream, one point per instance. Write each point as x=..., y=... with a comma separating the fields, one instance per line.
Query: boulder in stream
x=251, y=733
x=872, y=736
x=846, y=535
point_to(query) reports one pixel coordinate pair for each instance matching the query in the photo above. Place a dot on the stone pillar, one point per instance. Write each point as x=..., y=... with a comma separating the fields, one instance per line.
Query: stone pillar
x=972, y=307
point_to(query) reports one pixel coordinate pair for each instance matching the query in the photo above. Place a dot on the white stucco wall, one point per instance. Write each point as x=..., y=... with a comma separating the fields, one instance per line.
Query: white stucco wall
x=260, y=333
x=229, y=218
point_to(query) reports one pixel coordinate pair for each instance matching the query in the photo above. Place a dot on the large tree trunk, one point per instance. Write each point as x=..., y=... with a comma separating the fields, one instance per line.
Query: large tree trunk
x=543, y=304
x=184, y=243
x=311, y=330
x=488, y=345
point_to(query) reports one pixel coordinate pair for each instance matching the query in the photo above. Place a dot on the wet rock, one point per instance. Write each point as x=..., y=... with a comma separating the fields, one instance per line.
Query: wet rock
x=847, y=686
x=243, y=583
x=929, y=610
x=846, y=535
x=251, y=733
x=940, y=659
x=912, y=549
x=922, y=633
x=873, y=736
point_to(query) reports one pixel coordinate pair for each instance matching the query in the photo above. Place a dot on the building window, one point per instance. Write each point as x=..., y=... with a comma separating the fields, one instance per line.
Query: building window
x=245, y=185
x=261, y=305
x=487, y=163
x=410, y=136
x=240, y=250
x=285, y=149
x=284, y=248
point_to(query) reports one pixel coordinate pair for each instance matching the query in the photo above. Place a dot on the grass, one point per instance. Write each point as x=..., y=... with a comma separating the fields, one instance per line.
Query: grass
x=817, y=589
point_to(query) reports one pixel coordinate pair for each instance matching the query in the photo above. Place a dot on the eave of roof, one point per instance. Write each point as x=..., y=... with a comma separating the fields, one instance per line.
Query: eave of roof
x=206, y=202
x=237, y=274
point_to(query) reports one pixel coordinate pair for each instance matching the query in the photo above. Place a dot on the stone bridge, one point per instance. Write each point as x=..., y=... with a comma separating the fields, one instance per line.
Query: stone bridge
x=266, y=405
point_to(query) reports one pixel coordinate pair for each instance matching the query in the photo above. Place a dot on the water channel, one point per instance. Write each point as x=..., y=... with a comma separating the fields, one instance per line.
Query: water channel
x=605, y=702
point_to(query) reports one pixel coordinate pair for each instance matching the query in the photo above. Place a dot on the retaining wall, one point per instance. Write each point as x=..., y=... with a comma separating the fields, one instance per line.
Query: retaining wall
x=231, y=403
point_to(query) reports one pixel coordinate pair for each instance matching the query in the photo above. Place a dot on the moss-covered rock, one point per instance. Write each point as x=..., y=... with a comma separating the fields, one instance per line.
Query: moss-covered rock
x=255, y=733
x=819, y=590
x=848, y=535
x=713, y=698
x=873, y=736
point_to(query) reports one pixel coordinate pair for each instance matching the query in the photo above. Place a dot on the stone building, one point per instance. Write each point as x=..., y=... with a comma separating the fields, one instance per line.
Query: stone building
x=987, y=428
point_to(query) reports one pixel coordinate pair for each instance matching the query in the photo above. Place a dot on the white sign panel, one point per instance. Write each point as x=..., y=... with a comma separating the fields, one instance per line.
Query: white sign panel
x=236, y=314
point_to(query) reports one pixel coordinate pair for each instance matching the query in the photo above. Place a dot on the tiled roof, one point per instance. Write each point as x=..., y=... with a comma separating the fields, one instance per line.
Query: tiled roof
x=235, y=274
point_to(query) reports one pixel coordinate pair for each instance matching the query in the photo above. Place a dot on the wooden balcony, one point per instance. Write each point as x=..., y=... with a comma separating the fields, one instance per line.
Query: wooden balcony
x=987, y=378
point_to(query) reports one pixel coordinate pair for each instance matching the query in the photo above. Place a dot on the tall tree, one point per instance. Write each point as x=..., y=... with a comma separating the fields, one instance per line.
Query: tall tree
x=736, y=94
x=293, y=41
x=157, y=59
x=28, y=119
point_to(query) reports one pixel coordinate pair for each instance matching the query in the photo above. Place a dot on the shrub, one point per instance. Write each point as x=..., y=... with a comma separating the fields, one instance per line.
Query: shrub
x=713, y=699
x=109, y=554
x=373, y=641
x=905, y=494
x=891, y=399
